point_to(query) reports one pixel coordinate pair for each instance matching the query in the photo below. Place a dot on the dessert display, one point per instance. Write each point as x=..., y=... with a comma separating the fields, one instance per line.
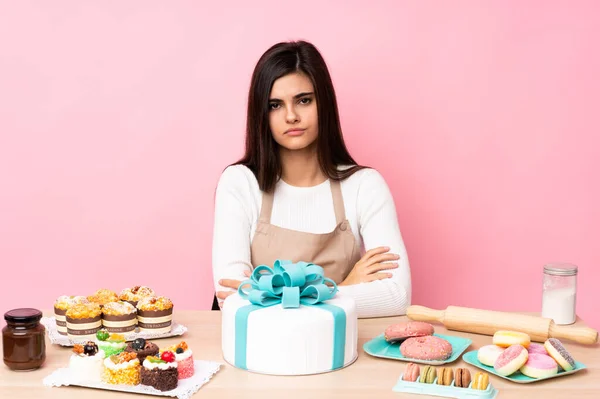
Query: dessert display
x=123, y=368
x=522, y=364
x=119, y=317
x=83, y=321
x=86, y=362
x=142, y=348
x=134, y=294
x=62, y=304
x=160, y=372
x=266, y=331
x=184, y=359
x=103, y=296
x=111, y=344
x=155, y=314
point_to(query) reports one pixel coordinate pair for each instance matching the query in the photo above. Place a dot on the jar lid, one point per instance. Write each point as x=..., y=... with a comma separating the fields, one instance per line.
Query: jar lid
x=560, y=269
x=23, y=315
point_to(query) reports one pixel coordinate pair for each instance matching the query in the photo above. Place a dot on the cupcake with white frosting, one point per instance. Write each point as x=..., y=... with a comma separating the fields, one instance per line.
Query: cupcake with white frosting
x=86, y=363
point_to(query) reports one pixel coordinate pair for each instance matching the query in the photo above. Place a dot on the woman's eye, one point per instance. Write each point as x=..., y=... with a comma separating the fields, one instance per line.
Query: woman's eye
x=273, y=106
x=305, y=101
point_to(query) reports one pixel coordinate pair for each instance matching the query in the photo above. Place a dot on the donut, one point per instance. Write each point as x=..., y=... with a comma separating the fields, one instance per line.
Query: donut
x=508, y=338
x=559, y=353
x=511, y=360
x=488, y=354
x=401, y=331
x=426, y=348
x=539, y=366
x=537, y=348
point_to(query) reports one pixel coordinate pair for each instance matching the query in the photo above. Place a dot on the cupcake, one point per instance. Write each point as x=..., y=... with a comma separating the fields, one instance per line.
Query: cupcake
x=62, y=304
x=111, y=344
x=134, y=294
x=103, y=296
x=86, y=363
x=119, y=317
x=123, y=368
x=155, y=314
x=142, y=348
x=160, y=373
x=83, y=321
x=184, y=359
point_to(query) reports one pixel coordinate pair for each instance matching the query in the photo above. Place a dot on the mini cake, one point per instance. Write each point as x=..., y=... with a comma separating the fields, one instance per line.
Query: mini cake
x=62, y=304
x=103, y=296
x=134, y=294
x=119, y=317
x=160, y=373
x=184, y=359
x=83, y=321
x=111, y=344
x=142, y=348
x=155, y=314
x=85, y=363
x=123, y=368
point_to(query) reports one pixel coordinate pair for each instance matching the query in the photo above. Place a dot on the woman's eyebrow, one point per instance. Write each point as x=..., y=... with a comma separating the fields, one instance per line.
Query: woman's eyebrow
x=297, y=96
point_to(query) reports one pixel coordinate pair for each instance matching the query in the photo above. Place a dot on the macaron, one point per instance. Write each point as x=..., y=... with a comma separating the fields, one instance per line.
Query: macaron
x=462, y=377
x=411, y=373
x=560, y=354
x=445, y=376
x=539, y=366
x=488, y=354
x=426, y=348
x=480, y=381
x=399, y=332
x=428, y=375
x=511, y=360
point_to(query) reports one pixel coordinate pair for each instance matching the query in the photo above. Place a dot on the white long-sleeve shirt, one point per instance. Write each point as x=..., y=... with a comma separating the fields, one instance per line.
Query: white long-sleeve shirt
x=370, y=211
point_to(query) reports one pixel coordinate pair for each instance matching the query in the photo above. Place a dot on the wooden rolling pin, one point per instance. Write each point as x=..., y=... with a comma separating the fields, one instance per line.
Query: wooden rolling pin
x=487, y=322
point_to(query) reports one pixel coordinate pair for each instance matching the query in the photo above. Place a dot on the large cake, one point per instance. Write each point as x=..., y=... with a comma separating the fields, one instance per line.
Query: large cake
x=289, y=320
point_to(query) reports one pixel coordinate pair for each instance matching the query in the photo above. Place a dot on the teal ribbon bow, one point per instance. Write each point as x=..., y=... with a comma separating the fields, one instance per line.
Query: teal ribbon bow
x=289, y=284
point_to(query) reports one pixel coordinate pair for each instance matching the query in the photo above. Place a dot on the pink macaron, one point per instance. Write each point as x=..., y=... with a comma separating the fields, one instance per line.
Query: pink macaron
x=426, y=348
x=411, y=373
x=539, y=366
x=401, y=331
x=537, y=348
x=511, y=360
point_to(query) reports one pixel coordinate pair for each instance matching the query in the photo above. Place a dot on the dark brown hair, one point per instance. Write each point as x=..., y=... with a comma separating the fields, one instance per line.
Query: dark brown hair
x=262, y=154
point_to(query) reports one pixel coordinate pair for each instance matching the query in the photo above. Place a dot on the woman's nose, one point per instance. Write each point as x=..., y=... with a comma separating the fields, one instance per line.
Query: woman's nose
x=291, y=115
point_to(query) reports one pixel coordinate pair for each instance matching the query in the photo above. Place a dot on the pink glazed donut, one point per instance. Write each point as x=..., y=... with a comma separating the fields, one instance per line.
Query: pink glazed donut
x=539, y=366
x=426, y=348
x=537, y=348
x=401, y=331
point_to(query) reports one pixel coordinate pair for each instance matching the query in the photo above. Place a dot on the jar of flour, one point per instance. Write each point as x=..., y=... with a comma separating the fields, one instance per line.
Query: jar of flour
x=560, y=292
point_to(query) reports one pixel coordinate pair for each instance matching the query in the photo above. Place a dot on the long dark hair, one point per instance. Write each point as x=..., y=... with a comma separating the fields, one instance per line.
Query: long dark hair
x=262, y=155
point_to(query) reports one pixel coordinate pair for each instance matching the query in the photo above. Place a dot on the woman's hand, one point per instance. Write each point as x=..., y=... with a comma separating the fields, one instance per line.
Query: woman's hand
x=229, y=283
x=368, y=268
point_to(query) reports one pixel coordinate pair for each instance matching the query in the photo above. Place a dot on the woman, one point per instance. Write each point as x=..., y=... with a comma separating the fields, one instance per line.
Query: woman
x=297, y=194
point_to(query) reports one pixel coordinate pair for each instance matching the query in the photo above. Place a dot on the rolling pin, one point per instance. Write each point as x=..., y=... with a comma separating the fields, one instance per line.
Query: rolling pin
x=487, y=322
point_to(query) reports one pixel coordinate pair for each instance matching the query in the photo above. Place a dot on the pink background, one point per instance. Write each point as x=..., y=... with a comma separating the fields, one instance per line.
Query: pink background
x=116, y=120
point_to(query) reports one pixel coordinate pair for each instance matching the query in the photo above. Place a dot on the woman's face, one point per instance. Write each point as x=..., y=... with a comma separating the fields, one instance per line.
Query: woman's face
x=293, y=112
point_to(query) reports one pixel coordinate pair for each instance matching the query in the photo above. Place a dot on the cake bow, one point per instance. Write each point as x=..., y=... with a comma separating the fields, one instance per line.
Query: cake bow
x=288, y=283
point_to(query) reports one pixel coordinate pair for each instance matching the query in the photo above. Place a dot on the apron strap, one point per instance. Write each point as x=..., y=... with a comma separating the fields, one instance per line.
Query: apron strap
x=266, y=207
x=338, y=201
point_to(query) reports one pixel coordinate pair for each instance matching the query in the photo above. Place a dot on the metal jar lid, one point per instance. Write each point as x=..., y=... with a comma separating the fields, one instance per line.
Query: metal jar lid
x=560, y=269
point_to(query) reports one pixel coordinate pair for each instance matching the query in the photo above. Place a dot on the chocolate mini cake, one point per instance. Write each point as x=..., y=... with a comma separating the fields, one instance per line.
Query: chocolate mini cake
x=142, y=348
x=160, y=373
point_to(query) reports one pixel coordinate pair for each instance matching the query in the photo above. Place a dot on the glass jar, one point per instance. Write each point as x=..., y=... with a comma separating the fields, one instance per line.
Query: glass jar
x=560, y=293
x=23, y=339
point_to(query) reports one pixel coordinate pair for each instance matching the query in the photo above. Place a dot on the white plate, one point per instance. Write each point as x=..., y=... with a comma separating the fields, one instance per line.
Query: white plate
x=64, y=340
x=203, y=372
